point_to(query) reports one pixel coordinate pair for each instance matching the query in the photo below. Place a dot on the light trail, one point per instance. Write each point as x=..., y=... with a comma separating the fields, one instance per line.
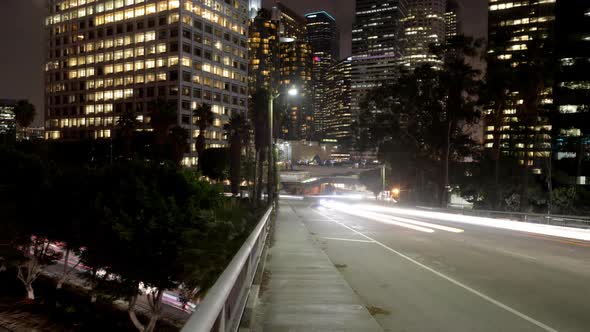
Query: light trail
x=520, y=226
x=399, y=221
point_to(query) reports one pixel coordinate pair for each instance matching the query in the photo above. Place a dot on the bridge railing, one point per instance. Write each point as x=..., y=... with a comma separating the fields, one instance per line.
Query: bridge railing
x=550, y=219
x=222, y=308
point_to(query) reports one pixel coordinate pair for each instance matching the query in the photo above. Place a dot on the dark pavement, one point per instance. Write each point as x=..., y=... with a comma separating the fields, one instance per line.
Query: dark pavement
x=458, y=277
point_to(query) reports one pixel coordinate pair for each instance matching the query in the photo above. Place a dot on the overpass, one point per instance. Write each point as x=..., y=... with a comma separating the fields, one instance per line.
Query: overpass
x=346, y=265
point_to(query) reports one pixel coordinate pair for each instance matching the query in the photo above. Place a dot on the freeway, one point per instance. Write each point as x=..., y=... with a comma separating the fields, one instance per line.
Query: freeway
x=435, y=272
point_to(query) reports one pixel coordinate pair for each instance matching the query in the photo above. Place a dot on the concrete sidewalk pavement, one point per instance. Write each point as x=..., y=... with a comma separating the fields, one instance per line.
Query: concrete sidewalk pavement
x=304, y=290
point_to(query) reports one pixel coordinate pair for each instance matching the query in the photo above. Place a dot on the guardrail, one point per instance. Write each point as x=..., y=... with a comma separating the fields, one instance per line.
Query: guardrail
x=222, y=308
x=550, y=219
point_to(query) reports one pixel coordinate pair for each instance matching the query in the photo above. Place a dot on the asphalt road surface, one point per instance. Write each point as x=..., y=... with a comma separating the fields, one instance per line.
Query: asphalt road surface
x=425, y=274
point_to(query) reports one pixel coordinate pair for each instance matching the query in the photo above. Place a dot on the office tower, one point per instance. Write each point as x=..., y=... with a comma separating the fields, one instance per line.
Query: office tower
x=7, y=119
x=263, y=51
x=423, y=26
x=377, y=46
x=452, y=26
x=107, y=57
x=324, y=38
x=339, y=118
x=571, y=123
x=377, y=28
x=518, y=31
x=295, y=62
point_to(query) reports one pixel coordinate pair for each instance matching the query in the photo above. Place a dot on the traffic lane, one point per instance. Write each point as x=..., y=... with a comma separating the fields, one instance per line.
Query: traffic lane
x=556, y=294
x=573, y=255
x=412, y=298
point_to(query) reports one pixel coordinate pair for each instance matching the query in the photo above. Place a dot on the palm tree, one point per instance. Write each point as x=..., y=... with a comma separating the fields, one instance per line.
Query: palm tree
x=261, y=136
x=164, y=115
x=495, y=94
x=234, y=130
x=127, y=124
x=205, y=119
x=178, y=138
x=24, y=113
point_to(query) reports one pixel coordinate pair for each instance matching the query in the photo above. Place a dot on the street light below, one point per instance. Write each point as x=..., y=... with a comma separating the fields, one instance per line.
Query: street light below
x=293, y=92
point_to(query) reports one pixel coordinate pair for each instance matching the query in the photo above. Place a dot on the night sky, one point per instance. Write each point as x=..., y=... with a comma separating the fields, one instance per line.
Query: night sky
x=22, y=39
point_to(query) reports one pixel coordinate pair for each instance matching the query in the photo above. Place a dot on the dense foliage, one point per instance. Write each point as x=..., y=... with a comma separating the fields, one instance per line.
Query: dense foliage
x=130, y=223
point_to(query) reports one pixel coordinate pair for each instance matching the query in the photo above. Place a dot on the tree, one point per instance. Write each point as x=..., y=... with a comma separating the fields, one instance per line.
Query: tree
x=494, y=95
x=533, y=77
x=372, y=180
x=178, y=138
x=460, y=82
x=261, y=136
x=215, y=163
x=127, y=124
x=25, y=236
x=205, y=118
x=234, y=130
x=163, y=116
x=24, y=114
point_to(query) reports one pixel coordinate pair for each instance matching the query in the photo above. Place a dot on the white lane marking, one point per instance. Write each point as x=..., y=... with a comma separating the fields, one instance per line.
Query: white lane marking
x=516, y=254
x=351, y=240
x=467, y=288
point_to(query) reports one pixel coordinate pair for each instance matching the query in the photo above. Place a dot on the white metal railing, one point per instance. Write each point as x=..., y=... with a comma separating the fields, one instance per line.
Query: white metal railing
x=222, y=308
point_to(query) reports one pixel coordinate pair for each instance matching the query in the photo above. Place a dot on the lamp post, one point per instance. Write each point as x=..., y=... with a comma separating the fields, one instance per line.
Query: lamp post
x=271, y=186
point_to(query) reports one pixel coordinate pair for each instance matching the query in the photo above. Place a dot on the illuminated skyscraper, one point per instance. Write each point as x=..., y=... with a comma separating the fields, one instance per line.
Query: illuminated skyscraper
x=517, y=32
x=338, y=106
x=571, y=123
x=377, y=46
x=424, y=25
x=452, y=26
x=324, y=38
x=107, y=57
x=263, y=51
x=295, y=62
x=7, y=120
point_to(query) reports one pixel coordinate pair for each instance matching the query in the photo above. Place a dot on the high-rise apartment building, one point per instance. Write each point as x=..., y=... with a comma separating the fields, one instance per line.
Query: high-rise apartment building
x=424, y=25
x=109, y=56
x=571, y=123
x=324, y=39
x=515, y=29
x=339, y=119
x=295, y=63
x=263, y=51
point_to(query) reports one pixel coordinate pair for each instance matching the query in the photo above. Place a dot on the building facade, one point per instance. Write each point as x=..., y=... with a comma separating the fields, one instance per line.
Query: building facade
x=324, y=39
x=424, y=25
x=516, y=32
x=295, y=63
x=7, y=119
x=377, y=47
x=107, y=57
x=263, y=50
x=339, y=119
x=377, y=29
x=571, y=122
x=452, y=26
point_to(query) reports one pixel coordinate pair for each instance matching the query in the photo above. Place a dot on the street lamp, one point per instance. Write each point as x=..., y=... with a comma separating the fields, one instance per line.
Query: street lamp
x=292, y=92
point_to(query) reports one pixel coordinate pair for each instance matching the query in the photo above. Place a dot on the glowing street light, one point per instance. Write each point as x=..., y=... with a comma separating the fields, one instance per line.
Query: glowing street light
x=293, y=92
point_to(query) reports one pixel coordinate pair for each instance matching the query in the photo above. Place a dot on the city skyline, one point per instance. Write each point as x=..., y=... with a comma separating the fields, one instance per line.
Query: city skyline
x=22, y=68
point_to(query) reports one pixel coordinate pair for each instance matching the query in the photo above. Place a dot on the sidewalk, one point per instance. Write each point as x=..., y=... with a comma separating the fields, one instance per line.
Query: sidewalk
x=305, y=291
